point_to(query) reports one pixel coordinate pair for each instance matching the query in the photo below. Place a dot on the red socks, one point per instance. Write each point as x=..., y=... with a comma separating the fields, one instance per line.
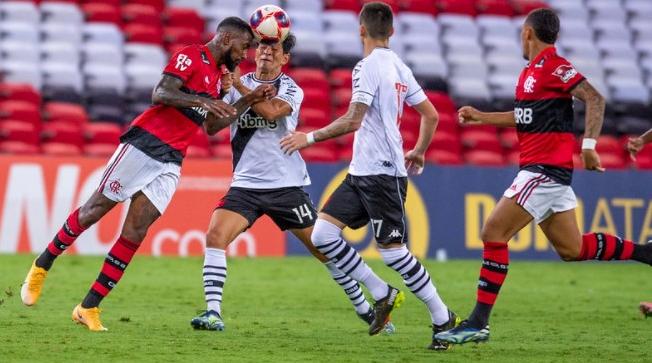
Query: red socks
x=495, y=262
x=602, y=246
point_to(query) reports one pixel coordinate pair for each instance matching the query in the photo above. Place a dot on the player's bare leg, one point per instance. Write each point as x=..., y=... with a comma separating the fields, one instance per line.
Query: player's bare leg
x=564, y=234
x=504, y=222
x=76, y=223
x=140, y=216
x=350, y=286
x=224, y=227
x=327, y=238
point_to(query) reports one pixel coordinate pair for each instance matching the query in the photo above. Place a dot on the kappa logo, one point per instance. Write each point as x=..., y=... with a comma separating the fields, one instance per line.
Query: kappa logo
x=565, y=72
x=395, y=234
x=528, y=85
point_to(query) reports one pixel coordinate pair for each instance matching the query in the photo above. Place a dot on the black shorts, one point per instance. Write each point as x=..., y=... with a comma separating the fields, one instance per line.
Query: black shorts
x=376, y=198
x=289, y=208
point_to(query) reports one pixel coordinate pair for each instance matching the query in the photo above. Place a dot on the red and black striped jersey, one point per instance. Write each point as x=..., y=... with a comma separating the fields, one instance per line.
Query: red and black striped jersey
x=164, y=132
x=543, y=110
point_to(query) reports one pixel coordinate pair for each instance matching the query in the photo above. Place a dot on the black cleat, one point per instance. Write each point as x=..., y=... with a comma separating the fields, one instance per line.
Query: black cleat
x=453, y=321
x=368, y=318
x=383, y=307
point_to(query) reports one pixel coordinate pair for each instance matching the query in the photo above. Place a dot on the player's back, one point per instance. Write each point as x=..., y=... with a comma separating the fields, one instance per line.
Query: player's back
x=383, y=82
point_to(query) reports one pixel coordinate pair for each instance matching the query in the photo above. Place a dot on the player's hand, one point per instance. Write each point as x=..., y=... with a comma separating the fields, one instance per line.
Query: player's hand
x=469, y=115
x=591, y=160
x=293, y=142
x=262, y=93
x=414, y=161
x=634, y=145
x=217, y=107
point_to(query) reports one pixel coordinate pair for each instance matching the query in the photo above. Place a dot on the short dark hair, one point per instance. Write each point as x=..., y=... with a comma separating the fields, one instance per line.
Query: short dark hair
x=233, y=23
x=289, y=43
x=378, y=19
x=545, y=24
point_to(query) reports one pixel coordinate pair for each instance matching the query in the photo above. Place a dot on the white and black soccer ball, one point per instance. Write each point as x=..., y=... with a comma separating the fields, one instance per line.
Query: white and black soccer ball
x=270, y=23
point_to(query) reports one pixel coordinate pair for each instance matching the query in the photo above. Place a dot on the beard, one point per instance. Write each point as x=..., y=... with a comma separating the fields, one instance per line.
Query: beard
x=229, y=62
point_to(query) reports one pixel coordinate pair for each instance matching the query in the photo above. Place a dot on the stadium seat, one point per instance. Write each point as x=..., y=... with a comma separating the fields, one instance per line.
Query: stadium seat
x=484, y=158
x=181, y=35
x=141, y=33
x=19, y=131
x=21, y=111
x=102, y=133
x=102, y=13
x=184, y=18
x=140, y=14
x=68, y=113
x=495, y=7
x=60, y=149
x=313, y=117
x=340, y=78
x=19, y=11
x=420, y=6
x=18, y=148
x=19, y=92
x=617, y=160
x=444, y=157
x=158, y=4
x=61, y=14
x=465, y=7
x=347, y=5
x=99, y=150
x=62, y=133
x=320, y=154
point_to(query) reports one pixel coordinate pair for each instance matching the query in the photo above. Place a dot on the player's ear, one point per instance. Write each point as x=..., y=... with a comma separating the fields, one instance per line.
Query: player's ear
x=363, y=31
x=226, y=39
x=286, y=59
x=391, y=32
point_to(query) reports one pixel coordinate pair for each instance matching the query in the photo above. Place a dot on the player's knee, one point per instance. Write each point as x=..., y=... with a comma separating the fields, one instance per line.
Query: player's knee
x=134, y=233
x=568, y=254
x=93, y=210
x=324, y=232
x=217, y=238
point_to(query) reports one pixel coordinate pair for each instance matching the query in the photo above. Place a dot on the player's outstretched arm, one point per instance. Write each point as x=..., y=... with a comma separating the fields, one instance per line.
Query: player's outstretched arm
x=636, y=144
x=469, y=115
x=348, y=123
x=168, y=92
x=214, y=123
x=595, y=105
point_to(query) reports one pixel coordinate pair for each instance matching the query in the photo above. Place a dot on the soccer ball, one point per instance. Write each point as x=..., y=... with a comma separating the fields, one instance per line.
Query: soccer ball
x=270, y=23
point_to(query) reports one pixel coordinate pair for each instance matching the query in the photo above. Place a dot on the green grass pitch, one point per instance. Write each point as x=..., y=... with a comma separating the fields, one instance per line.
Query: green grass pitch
x=289, y=310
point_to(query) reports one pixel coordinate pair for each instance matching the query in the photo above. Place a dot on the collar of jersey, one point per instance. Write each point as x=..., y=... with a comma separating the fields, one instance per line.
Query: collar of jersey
x=253, y=76
x=544, y=53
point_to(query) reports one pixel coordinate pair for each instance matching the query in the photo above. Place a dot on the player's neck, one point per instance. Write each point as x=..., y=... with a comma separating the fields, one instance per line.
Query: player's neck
x=215, y=52
x=371, y=44
x=536, y=49
x=268, y=76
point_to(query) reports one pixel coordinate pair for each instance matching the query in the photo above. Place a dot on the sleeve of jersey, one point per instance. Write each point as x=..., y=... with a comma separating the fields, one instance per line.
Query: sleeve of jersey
x=229, y=97
x=365, y=84
x=415, y=94
x=565, y=77
x=290, y=93
x=182, y=63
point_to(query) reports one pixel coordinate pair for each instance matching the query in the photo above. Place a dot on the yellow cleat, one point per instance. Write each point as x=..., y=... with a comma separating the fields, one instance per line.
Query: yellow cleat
x=89, y=317
x=31, y=289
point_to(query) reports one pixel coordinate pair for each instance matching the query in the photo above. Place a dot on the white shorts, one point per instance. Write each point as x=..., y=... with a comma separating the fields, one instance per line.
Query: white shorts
x=540, y=196
x=130, y=170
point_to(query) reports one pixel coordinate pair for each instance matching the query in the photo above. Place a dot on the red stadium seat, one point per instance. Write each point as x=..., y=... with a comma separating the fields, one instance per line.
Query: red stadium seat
x=442, y=102
x=20, y=92
x=313, y=117
x=495, y=7
x=484, y=158
x=448, y=122
x=62, y=133
x=20, y=110
x=71, y=113
x=181, y=35
x=102, y=12
x=184, y=18
x=341, y=97
x=158, y=4
x=481, y=140
x=140, y=14
x=410, y=120
x=409, y=139
x=446, y=141
x=464, y=7
x=18, y=147
x=102, y=133
x=513, y=157
x=316, y=98
x=351, y=5
x=310, y=77
x=610, y=144
x=222, y=151
x=318, y=153
x=340, y=77
x=610, y=160
x=420, y=6
x=509, y=138
x=444, y=157
x=345, y=154
x=394, y=4
x=140, y=33
x=114, y=3
x=523, y=7
x=99, y=150
x=60, y=149
x=346, y=141
x=19, y=131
